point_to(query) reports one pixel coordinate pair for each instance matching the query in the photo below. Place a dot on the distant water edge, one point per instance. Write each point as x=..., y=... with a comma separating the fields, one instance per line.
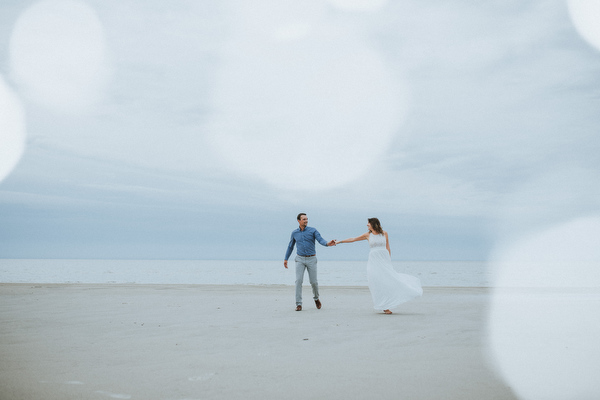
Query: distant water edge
x=229, y=272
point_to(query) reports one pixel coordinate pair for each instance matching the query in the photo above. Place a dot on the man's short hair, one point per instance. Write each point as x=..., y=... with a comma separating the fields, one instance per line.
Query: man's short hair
x=300, y=216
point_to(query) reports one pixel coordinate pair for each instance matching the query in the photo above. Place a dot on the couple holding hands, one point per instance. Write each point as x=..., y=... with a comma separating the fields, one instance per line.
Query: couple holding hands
x=388, y=288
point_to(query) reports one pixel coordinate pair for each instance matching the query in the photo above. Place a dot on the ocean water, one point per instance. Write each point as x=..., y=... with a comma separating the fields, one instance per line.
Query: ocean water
x=230, y=272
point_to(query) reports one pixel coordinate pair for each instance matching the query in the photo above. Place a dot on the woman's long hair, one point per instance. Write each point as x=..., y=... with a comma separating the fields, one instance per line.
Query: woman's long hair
x=376, y=226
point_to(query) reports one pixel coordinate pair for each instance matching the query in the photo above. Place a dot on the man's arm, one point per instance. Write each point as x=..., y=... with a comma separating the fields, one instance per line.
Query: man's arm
x=290, y=248
x=322, y=241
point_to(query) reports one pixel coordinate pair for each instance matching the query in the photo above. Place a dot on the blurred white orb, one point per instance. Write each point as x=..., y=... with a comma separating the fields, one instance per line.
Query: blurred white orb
x=58, y=55
x=12, y=130
x=585, y=15
x=313, y=113
x=543, y=318
x=359, y=5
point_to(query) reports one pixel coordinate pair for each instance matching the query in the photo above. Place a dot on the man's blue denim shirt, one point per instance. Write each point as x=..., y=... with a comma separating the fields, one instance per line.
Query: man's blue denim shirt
x=306, y=242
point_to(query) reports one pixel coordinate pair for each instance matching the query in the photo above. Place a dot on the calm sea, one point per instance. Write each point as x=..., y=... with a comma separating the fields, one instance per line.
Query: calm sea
x=236, y=272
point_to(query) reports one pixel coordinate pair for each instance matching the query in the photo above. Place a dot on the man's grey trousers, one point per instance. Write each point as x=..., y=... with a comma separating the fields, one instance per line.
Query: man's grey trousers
x=310, y=264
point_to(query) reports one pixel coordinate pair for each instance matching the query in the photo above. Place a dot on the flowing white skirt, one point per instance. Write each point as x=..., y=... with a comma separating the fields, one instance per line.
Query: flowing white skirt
x=388, y=287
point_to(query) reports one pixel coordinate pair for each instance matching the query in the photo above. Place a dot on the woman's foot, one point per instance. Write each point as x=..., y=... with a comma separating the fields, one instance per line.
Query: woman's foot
x=387, y=312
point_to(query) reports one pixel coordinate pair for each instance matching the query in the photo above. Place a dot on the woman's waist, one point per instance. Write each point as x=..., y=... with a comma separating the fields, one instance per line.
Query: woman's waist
x=378, y=248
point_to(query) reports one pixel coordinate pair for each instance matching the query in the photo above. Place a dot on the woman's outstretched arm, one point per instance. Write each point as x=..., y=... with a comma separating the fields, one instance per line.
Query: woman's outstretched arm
x=364, y=236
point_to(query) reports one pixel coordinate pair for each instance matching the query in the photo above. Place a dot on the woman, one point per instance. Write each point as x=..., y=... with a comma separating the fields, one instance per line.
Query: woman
x=388, y=287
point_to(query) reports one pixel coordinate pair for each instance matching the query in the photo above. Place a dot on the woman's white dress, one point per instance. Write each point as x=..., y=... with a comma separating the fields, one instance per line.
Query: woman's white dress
x=388, y=287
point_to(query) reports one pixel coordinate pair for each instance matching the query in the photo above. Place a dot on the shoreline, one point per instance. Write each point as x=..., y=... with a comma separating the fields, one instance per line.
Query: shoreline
x=331, y=273
x=252, y=285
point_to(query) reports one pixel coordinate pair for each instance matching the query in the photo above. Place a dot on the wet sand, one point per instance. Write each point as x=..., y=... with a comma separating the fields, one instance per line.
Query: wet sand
x=103, y=341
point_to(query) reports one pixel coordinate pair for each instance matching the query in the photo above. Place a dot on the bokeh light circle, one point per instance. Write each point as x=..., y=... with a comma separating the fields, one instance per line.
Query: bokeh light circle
x=543, y=318
x=311, y=113
x=58, y=54
x=585, y=15
x=12, y=130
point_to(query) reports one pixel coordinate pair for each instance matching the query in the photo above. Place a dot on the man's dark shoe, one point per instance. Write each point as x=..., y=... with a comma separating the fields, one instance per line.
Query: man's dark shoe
x=318, y=303
x=298, y=308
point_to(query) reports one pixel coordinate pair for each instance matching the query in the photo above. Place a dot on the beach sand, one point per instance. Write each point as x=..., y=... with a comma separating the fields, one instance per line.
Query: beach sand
x=103, y=341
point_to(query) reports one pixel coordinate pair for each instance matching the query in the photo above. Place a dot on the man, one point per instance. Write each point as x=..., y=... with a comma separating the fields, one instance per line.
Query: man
x=306, y=258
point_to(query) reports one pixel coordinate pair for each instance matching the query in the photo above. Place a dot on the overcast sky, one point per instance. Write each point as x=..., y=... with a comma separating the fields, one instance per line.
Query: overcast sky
x=199, y=129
